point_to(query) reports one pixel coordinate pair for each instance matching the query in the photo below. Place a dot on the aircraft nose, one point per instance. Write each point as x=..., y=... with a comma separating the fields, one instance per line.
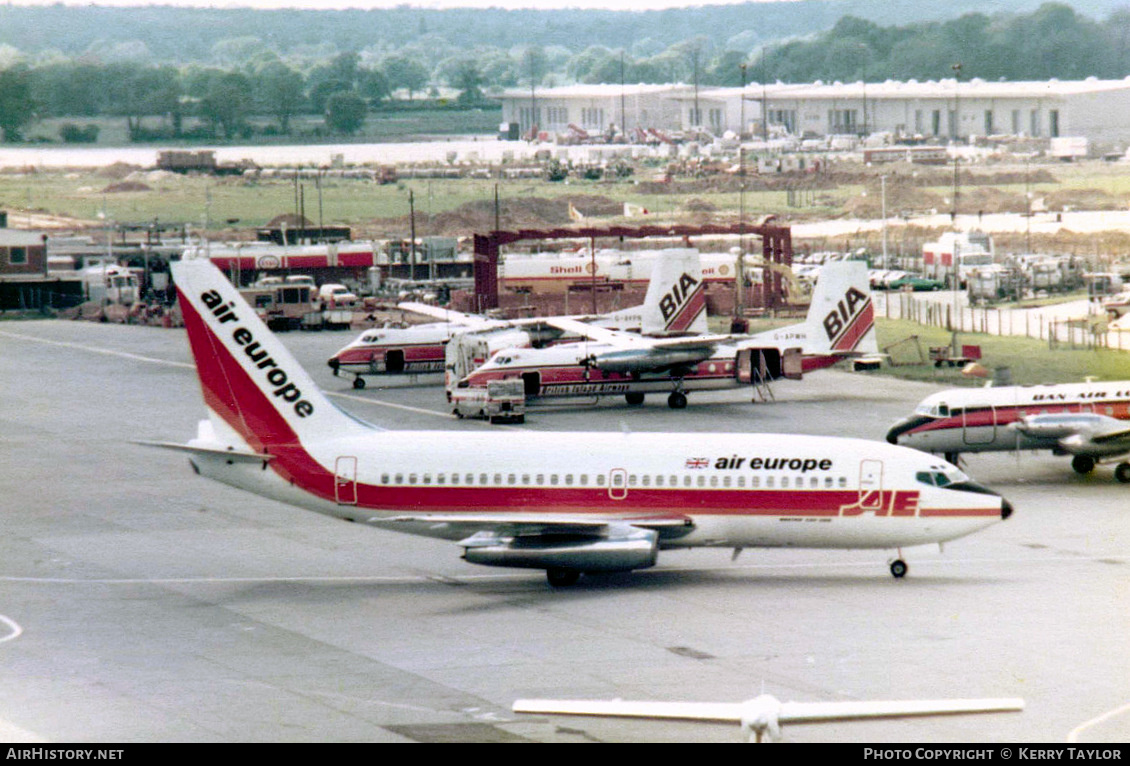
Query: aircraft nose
x=895, y=431
x=1006, y=509
x=334, y=363
x=903, y=426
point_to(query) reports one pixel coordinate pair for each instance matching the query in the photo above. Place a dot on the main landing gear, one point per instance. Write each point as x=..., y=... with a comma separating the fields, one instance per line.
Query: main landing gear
x=560, y=577
x=677, y=400
x=1082, y=464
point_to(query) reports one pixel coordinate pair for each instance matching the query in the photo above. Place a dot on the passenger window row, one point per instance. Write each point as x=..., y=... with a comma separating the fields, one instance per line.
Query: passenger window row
x=617, y=480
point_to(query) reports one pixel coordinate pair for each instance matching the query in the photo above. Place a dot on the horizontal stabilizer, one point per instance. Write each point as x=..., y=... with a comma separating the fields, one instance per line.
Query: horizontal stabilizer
x=236, y=456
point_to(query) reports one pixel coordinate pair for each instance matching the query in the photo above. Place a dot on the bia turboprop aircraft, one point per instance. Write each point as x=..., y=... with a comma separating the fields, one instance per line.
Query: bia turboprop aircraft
x=761, y=717
x=421, y=348
x=840, y=323
x=567, y=503
x=1090, y=421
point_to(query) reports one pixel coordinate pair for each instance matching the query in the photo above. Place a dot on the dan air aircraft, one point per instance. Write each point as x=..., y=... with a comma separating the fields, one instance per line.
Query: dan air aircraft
x=840, y=323
x=570, y=504
x=421, y=348
x=1090, y=421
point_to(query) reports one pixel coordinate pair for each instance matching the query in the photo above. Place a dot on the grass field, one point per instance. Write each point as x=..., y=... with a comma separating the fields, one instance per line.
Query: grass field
x=1029, y=361
x=388, y=125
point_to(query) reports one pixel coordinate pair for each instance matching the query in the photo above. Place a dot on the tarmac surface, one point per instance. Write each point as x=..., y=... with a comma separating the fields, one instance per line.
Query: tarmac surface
x=141, y=603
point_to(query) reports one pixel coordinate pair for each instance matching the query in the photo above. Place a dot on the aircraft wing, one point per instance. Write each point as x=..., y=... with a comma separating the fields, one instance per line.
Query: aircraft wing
x=472, y=321
x=465, y=526
x=813, y=712
x=1118, y=435
x=788, y=712
x=633, y=340
x=632, y=353
x=1079, y=433
x=724, y=712
x=763, y=716
x=600, y=334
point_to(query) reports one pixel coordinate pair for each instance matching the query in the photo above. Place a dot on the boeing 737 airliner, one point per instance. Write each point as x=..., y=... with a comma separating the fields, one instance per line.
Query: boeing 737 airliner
x=570, y=504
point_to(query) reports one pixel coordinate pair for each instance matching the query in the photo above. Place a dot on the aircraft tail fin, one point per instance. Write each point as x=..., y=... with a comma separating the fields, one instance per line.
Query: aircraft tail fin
x=841, y=316
x=675, y=303
x=249, y=380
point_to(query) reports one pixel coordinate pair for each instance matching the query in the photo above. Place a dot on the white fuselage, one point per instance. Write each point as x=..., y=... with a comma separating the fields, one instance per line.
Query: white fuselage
x=737, y=491
x=983, y=419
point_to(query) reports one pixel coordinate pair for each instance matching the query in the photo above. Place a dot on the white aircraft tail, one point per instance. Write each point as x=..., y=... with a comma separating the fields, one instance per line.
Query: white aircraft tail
x=675, y=303
x=250, y=381
x=841, y=317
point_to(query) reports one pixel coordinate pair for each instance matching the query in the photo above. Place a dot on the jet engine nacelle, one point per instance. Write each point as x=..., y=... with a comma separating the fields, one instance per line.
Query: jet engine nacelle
x=636, y=549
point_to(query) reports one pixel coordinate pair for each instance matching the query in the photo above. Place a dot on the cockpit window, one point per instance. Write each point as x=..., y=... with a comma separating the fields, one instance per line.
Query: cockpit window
x=933, y=478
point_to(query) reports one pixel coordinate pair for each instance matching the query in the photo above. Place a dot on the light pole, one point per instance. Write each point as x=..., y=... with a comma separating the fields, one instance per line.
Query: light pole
x=956, y=135
x=883, y=194
x=1028, y=204
x=867, y=50
x=739, y=277
x=764, y=96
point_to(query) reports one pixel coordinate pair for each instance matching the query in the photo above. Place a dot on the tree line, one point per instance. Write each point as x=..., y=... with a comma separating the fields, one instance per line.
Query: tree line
x=250, y=78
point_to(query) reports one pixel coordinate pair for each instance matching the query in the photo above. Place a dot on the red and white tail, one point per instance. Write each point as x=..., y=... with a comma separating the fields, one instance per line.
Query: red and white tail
x=250, y=381
x=675, y=303
x=841, y=317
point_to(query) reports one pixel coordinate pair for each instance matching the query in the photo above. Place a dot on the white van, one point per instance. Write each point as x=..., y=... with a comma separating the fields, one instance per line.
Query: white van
x=501, y=401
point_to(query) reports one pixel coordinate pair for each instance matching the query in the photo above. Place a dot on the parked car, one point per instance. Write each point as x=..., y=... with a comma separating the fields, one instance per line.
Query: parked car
x=885, y=279
x=916, y=283
x=336, y=296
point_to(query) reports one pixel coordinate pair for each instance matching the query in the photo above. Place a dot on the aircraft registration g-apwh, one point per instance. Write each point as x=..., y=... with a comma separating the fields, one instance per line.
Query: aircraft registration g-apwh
x=573, y=504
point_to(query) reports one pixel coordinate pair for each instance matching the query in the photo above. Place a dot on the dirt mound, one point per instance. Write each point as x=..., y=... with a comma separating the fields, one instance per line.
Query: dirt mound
x=127, y=186
x=117, y=170
x=987, y=199
x=290, y=220
x=524, y=213
x=698, y=205
x=1083, y=199
x=901, y=198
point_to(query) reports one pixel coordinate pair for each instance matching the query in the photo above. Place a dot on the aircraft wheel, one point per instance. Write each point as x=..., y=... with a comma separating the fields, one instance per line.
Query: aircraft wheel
x=1122, y=472
x=635, y=398
x=952, y=457
x=562, y=578
x=1083, y=464
x=898, y=569
x=358, y=382
x=677, y=400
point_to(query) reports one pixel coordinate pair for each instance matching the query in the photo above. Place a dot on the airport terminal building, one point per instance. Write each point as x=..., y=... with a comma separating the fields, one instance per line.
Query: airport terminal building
x=937, y=109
